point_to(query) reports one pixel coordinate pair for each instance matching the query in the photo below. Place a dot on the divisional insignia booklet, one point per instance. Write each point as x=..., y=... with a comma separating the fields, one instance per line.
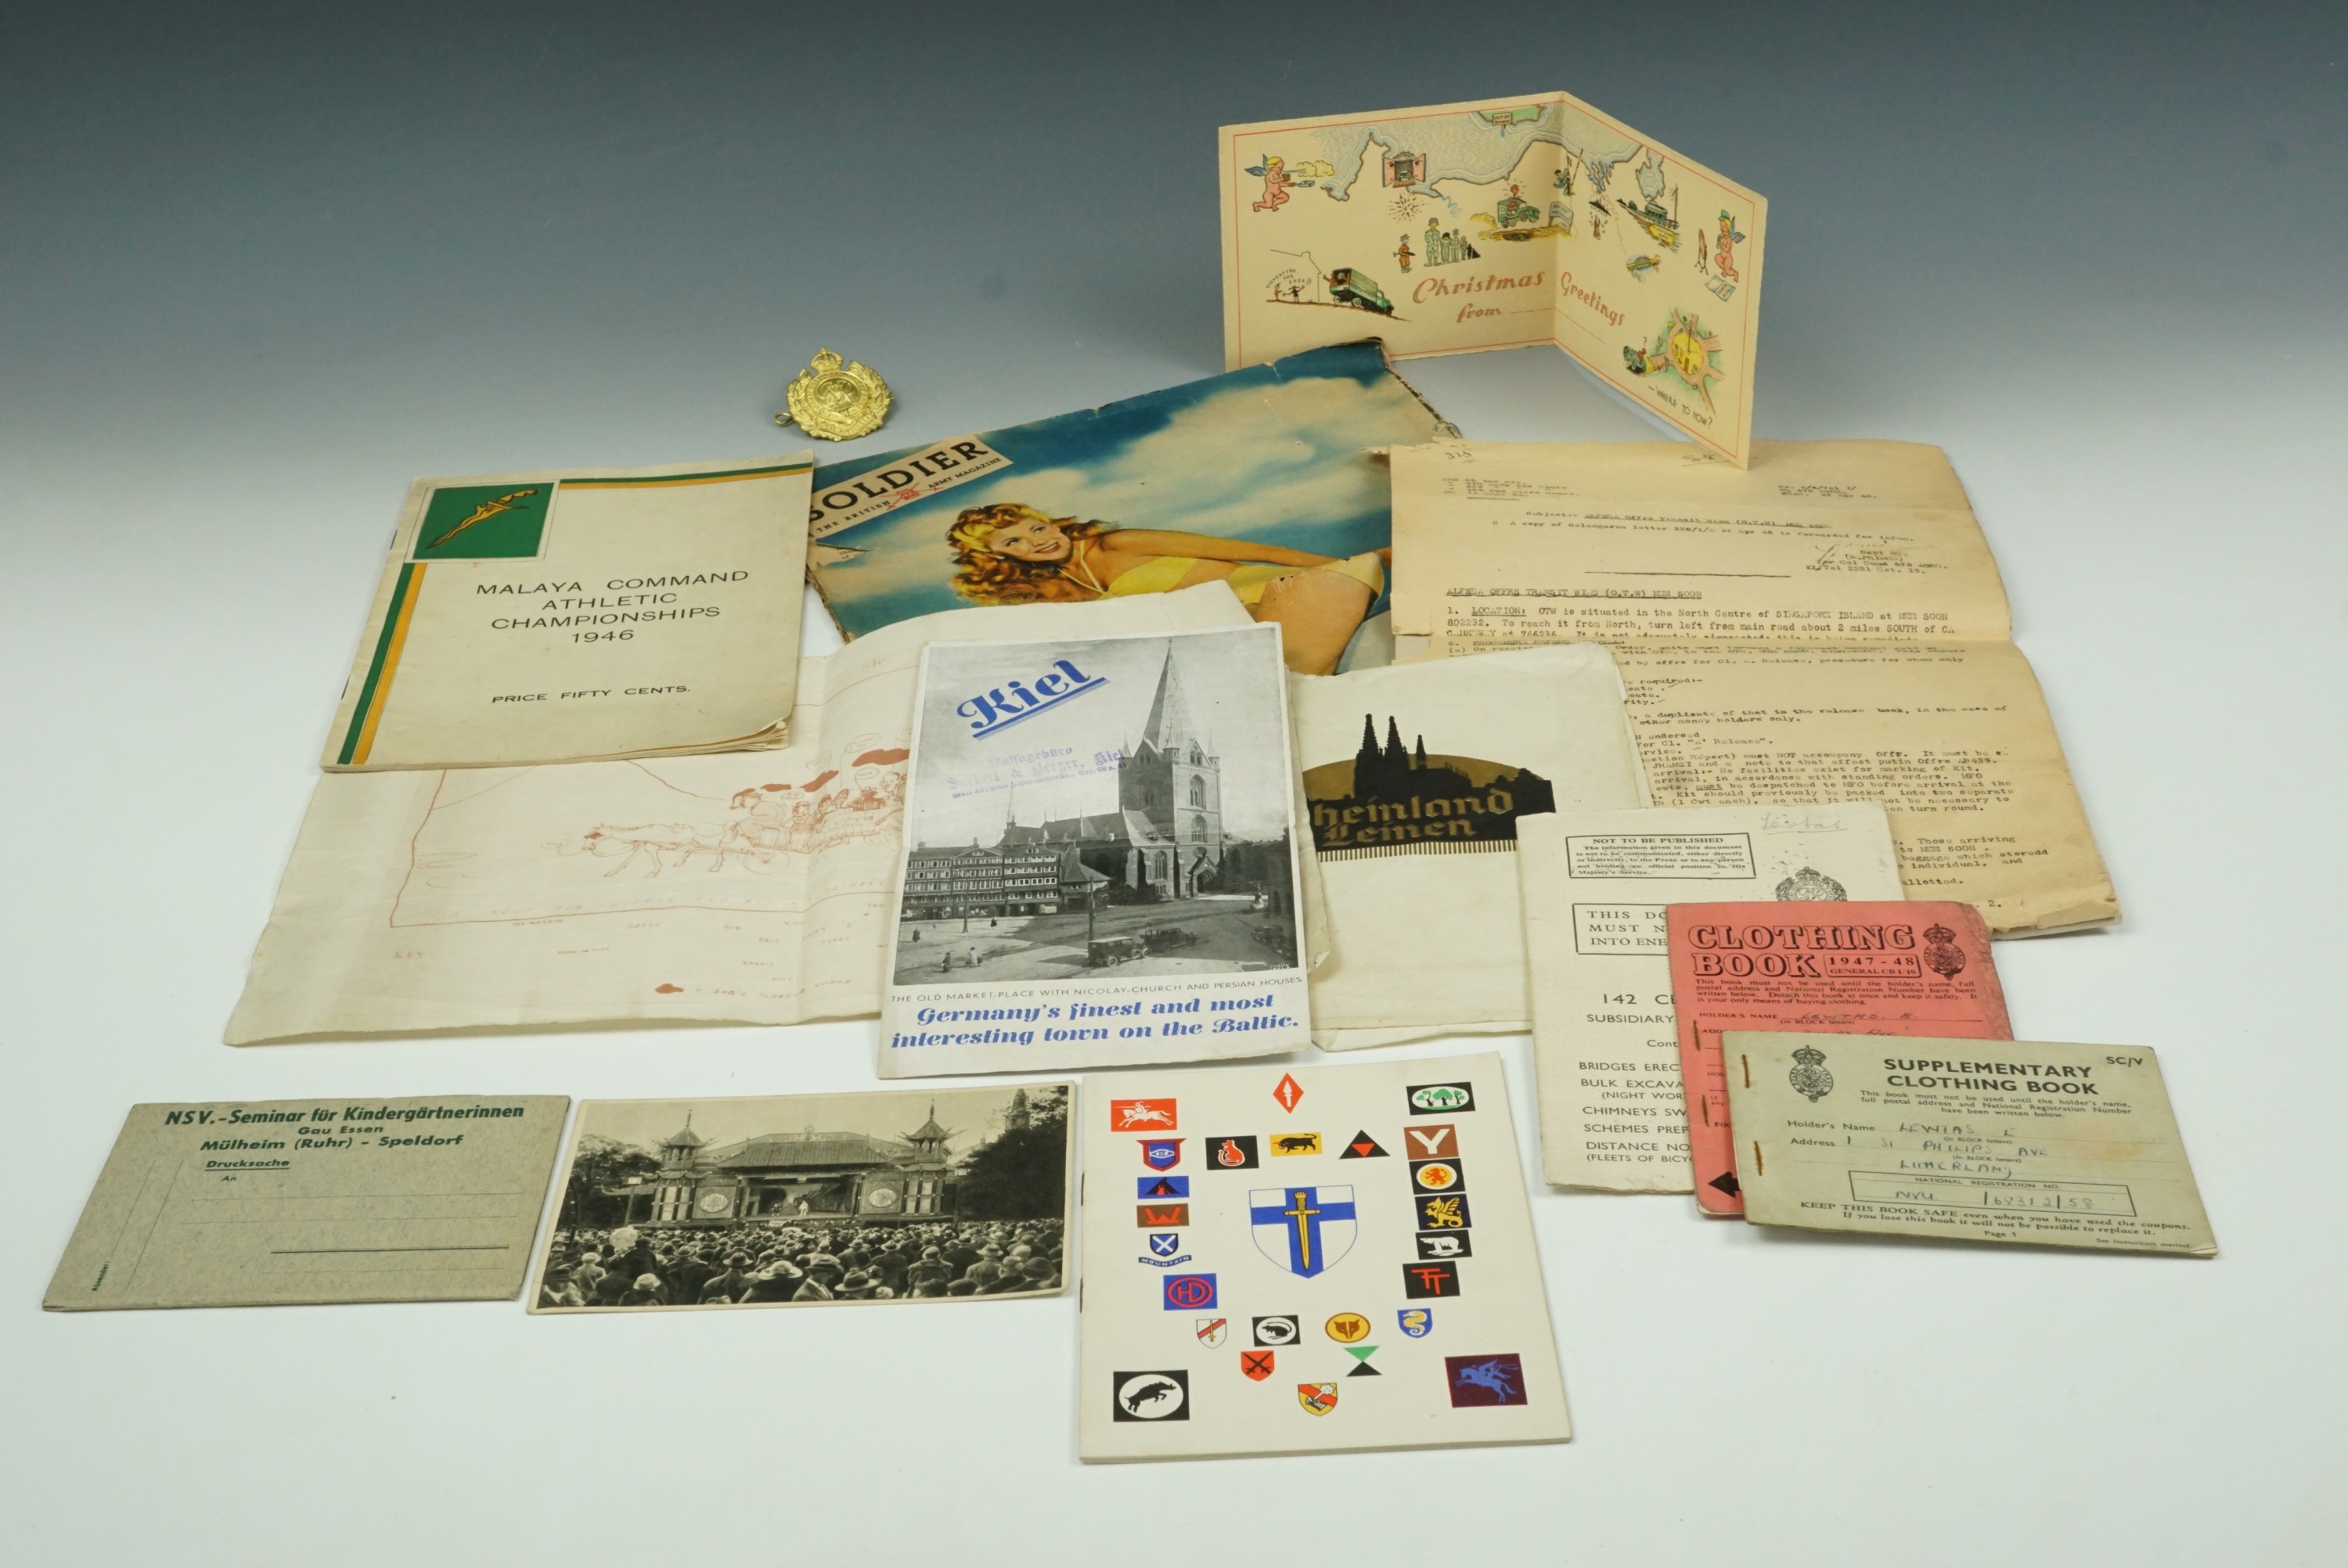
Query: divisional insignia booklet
x=569, y=615
x=1309, y=1259
x=1099, y=858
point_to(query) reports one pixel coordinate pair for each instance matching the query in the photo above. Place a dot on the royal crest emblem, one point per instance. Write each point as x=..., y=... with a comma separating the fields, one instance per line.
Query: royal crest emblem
x=1304, y=1230
x=1318, y=1398
x=1809, y=1076
x=1810, y=885
x=1418, y=1322
x=1941, y=953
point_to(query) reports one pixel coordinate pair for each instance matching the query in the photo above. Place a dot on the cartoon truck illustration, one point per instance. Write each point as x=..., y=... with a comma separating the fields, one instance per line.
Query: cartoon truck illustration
x=1515, y=213
x=1350, y=286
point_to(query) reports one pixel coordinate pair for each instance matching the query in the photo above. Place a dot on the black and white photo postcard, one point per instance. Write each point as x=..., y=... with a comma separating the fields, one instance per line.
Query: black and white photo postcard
x=1100, y=859
x=798, y=1200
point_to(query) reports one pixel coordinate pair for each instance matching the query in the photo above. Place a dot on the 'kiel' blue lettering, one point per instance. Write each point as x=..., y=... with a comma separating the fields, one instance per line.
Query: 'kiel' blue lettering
x=1002, y=706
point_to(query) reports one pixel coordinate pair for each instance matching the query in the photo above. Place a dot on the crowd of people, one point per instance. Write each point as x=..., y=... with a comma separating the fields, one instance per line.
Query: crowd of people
x=682, y=1266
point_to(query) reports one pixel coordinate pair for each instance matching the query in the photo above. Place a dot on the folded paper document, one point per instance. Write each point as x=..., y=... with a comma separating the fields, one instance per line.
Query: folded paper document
x=731, y=888
x=1825, y=626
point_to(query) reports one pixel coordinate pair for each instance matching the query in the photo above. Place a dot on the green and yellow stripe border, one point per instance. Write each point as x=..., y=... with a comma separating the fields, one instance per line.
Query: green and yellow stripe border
x=662, y=481
x=376, y=687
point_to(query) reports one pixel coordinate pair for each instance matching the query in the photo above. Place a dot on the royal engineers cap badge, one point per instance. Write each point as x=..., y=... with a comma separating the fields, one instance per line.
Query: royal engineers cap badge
x=836, y=401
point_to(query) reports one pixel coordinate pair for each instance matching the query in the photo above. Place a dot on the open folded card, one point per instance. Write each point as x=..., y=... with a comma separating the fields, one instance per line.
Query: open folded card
x=1493, y=225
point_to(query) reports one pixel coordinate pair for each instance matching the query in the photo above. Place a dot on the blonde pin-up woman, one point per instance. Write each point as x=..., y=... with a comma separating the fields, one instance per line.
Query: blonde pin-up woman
x=1012, y=553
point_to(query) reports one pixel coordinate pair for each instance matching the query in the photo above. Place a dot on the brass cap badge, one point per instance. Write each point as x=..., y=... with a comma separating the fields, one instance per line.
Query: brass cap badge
x=836, y=402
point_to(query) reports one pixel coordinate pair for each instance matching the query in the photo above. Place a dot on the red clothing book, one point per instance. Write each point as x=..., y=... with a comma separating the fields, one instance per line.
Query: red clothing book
x=1906, y=968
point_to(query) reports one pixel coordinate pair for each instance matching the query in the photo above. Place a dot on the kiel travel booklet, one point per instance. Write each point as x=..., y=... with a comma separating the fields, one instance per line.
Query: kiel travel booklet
x=732, y=888
x=1495, y=224
x=1417, y=776
x=1301, y=1260
x=1605, y=1042
x=2059, y=1145
x=1893, y=969
x=1264, y=479
x=1099, y=864
x=313, y=1202
x=570, y=614
x=799, y=1200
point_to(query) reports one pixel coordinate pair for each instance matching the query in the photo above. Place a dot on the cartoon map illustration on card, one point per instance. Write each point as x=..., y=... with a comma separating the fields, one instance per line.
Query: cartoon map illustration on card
x=1494, y=225
x=1303, y=1260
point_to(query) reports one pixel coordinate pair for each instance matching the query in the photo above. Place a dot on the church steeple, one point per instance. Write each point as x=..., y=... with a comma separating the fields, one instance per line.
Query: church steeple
x=1169, y=728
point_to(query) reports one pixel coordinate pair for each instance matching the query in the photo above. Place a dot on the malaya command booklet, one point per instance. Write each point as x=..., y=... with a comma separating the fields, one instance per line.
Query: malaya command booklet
x=568, y=615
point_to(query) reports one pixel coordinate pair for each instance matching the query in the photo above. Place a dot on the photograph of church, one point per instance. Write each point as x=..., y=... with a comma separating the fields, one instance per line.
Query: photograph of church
x=1162, y=824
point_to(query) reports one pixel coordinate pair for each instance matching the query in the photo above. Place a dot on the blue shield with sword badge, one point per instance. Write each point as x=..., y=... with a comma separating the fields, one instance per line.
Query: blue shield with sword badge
x=1303, y=1229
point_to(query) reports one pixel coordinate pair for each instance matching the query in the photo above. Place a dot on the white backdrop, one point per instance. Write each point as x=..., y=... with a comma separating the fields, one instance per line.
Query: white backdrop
x=217, y=372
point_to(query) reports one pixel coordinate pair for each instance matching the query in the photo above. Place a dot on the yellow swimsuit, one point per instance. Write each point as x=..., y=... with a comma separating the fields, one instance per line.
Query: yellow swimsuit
x=1165, y=573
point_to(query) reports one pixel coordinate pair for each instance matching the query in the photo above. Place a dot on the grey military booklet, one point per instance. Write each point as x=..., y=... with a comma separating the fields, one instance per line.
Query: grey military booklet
x=315, y=1201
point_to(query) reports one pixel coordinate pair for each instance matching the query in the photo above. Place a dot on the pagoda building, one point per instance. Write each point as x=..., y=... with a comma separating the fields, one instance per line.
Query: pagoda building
x=805, y=1177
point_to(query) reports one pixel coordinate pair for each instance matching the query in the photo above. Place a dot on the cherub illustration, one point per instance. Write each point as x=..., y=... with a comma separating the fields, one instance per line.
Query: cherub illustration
x=1009, y=553
x=1276, y=184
